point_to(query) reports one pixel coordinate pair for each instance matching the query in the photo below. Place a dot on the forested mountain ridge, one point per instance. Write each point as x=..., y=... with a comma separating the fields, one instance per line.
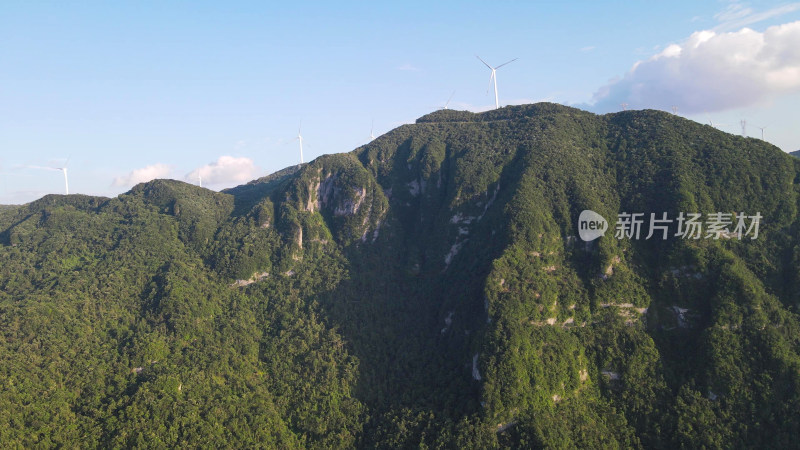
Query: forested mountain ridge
x=427, y=289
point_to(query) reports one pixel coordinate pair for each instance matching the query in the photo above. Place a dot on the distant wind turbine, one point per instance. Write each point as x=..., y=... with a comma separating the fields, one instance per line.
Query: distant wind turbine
x=493, y=78
x=62, y=169
x=300, y=138
x=371, y=135
x=624, y=106
x=762, y=131
x=744, y=127
x=716, y=125
x=439, y=107
x=448, y=100
x=66, y=180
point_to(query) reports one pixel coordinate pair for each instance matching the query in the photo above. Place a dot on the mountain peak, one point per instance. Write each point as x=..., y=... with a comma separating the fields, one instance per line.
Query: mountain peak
x=511, y=112
x=433, y=279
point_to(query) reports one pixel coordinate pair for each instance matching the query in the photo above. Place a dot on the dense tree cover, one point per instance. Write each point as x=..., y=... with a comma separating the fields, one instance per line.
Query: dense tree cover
x=426, y=290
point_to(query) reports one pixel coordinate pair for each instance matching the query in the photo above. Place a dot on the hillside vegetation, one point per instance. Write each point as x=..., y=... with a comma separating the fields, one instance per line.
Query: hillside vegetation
x=427, y=290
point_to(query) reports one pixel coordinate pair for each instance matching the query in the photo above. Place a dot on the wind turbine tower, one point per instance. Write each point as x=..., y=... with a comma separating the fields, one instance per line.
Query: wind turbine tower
x=624, y=106
x=493, y=78
x=744, y=127
x=762, y=131
x=300, y=138
x=66, y=181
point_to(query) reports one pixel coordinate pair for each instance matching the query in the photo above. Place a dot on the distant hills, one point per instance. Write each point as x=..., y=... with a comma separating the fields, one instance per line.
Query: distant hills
x=795, y=154
x=428, y=289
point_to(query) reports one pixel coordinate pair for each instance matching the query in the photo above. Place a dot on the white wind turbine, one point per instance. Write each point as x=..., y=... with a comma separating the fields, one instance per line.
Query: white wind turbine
x=300, y=138
x=446, y=104
x=762, y=131
x=371, y=135
x=493, y=78
x=63, y=169
x=448, y=100
x=716, y=125
x=66, y=181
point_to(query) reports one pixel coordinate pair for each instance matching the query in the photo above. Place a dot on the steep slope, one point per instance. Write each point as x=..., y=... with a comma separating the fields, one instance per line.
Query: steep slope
x=429, y=288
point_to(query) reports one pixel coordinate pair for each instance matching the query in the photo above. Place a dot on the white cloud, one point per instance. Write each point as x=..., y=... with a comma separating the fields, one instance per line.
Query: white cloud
x=143, y=175
x=227, y=170
x=712, y=72
x=409, y=68
x=734, y=11
x=736, y=15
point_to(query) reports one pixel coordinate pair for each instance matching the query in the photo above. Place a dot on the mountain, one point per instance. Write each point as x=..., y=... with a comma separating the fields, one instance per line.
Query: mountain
x=427, y=289
x=795, y=153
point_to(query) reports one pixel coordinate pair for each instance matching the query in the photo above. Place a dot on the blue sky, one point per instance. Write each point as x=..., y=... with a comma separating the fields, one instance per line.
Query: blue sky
x=134, y=90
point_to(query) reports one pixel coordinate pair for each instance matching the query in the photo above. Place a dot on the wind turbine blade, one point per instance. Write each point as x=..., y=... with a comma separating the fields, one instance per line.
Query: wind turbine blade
x=509, y=62
x=67, y=163
x=448, y=100
x=484, y=62
x=40, y=167
x=491, y=78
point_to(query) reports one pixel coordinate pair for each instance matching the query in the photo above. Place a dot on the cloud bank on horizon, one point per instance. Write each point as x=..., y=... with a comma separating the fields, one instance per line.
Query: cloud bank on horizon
x=711, y=71
x=225, y=171
x=143, y=175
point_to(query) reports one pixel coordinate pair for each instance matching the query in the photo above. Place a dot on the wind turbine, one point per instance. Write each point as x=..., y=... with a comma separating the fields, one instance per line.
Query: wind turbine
x=448, y=100
x=63, y=169
x=300, y=138
x=744, y=127
x=493, y=78
x=439, y=107
x=716, y=125
x=371, y=135
x=66, y=181
x=762, y=131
